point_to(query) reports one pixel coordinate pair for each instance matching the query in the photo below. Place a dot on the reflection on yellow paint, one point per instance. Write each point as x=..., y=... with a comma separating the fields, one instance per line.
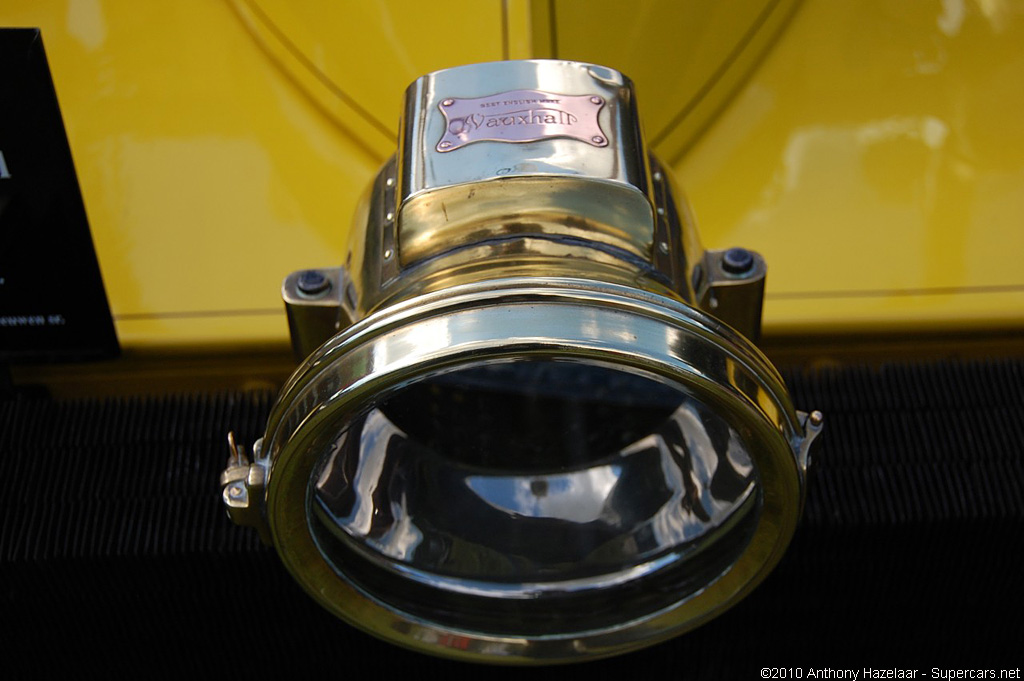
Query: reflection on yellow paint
x=875, y=159
x=85, y=23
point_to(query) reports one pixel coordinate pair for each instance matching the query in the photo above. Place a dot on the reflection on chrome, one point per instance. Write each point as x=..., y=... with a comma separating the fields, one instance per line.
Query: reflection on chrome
x=434, y=514
x=579, y=497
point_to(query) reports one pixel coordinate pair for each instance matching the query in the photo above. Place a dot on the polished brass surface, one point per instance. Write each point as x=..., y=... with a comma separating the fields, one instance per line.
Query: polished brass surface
x=533, y=288
x=544, y=186
x=515, y=319
x=489, y=244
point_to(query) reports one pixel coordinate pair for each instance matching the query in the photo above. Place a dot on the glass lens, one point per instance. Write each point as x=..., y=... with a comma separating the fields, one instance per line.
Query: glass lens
x=534, y=496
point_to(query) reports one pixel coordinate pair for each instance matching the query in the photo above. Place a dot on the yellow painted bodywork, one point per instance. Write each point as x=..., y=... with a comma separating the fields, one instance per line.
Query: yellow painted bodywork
x=872, y=151
x=876, y=159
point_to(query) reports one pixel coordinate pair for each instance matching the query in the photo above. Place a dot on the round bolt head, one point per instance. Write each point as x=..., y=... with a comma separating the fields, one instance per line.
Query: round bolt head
x=313, y=283
x=738, y=261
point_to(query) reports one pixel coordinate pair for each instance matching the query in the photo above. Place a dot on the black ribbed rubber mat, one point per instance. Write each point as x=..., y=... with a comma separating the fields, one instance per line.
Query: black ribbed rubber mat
x=115, y=554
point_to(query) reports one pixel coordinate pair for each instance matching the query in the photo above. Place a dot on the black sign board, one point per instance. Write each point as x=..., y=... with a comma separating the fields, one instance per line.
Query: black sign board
x=52, y=302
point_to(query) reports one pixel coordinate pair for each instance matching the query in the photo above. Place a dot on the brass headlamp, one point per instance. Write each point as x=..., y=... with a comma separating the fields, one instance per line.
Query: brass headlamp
x=532, y=425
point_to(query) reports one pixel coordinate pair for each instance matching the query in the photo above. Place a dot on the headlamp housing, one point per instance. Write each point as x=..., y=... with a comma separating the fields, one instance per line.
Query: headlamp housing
x=532, y=424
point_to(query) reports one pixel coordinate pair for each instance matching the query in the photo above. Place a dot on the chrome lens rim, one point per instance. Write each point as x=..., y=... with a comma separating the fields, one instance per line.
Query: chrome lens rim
x=519, y=319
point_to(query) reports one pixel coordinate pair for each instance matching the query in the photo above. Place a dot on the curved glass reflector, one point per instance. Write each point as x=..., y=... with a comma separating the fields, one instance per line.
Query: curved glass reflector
x=534, y=496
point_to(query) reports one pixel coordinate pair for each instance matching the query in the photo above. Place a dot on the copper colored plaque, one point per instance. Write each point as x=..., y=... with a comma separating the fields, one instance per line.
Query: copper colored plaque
x=521, y=116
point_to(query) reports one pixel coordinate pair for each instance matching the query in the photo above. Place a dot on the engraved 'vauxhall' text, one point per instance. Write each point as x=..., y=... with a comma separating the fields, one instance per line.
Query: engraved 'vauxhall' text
x=460, y=126
x=521, y=116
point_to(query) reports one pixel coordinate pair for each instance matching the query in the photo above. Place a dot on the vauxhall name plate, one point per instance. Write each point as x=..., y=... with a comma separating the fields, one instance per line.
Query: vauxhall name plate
x=521, y=116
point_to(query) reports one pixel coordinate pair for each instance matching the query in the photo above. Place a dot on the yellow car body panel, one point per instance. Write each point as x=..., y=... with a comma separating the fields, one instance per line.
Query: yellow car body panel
x=872, y=152
x=876, y=159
